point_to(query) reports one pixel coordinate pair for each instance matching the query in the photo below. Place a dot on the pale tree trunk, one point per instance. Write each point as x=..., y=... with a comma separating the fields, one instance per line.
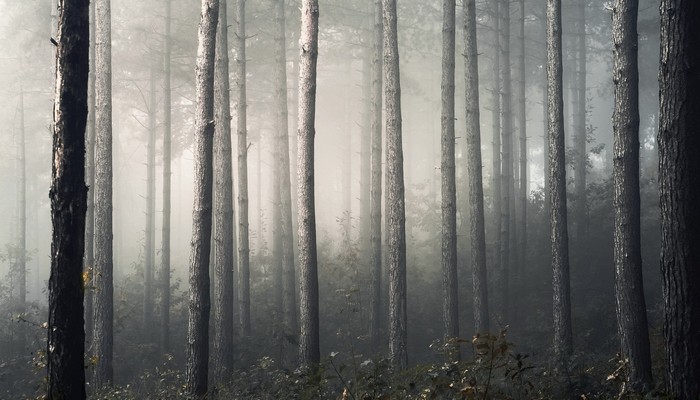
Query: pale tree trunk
x=22, y=234
x=450, y=304
x=580, y=129
x=366, y=144
x=476, y=190
x=496, y=140
x=167, y=176
x=309, y=351
x=346, y=186
x=197, y=369
x=679, y=181
x=242, y=133
x=395, y=206
x=376, y=178
x=150, y=256
x=629, y=285
x=557, y=184
x=103, y=302
x=224, y=218
x=90, y=181
x=522, y=125
x=65, y=347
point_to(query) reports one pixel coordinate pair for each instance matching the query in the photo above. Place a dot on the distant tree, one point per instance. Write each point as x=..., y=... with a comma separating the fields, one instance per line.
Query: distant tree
x=103, y=308
x=629, y=285
x=199, y=304
x=21, y=260
x=394, y=203
x=580, y=132
x=65, y=348
x=167, y=177
x=224, y=217
x=150, y=231
x=476, y=190
x=679, y=181
x=450, y=307
x=522, y=128
x=557, y=185
x=496, y=188
x=309, y=351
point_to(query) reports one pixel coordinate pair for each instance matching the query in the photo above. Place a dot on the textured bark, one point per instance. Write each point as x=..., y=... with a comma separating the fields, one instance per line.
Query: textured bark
x=289, y=315
x=395, y=206
x=557, y=184
x=450, y=304
x=679, y=179
x=376, y=179
x=522, y=128
x=580, y=129
x=66, y=336
x=477, y=234
x=150, y=232
x=90, y=181
x=224, y=234
x=103, y=302
x=242, y=133
x=629, y=285
x=199, y=299
x=309, y=351
x=496, y=140
x=167, y=176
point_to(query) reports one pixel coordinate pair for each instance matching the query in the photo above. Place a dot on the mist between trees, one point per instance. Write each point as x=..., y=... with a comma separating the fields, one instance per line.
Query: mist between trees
x=349, y=199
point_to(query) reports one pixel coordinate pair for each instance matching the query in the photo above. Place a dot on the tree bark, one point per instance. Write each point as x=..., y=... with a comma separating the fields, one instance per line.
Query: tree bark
x=309, y=351
x=90, y=181
x=679, y=180
x=496, y=142
x=522, y=125
x=199, y=304
x=66, y=335
x=629, y=285
x=476, y=190
x=167, y=176
x=103, y=277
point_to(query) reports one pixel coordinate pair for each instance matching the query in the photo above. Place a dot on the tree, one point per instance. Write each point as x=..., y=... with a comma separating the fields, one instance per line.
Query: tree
x=150, y=231
x=679, y=182
x=450, y=305
x=224, y=234
x=103, y=306
x=309, y=351
x=22, y=237
x=496, y=143
x=68, y=194
x=199, y=304
x=557, y=185
x=90, y=181
x=167, y=176
x=241, y=128
x=395, y=206
x=476, y=190
x=629, y=285
x=376, y=178
x=522, y=127
x=580, y=134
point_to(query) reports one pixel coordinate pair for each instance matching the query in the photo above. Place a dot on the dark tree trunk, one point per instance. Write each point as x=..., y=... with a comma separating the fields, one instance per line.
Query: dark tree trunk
x=90, y=181
x=496, y=141
x=522, y=127
x=309, y=351
x=167, y=176
x=199, y=304
x=476, y=190
x=66, y=334
x=629, y=285
x=679, y=180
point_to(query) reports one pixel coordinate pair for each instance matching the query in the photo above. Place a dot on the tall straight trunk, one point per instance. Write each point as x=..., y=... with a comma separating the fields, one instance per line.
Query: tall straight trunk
x=629, y=285
x=22, y=234
x=366, y=143
x=522, y=126
x=496, y=139
x=224, y=234
x=346, y=185
x=557, y=184
x=150, y=251
x=309, y=350
x=545, y=117
x=199, y=304
x=167, y=176
x=450, y=304
x=580, y=128
x=376, y=178
x=90, y=181
x=289, y=316
x=65, y=348
x=395, y=206
x=103, y=302
x=679, y=180
x=477, y=234
x=507, y=168
x=242, y=133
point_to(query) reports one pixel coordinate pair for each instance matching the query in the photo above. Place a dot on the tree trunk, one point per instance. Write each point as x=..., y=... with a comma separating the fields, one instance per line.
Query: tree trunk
x=476, y=190
x=224, y=234
x=65, y=348
x=22, y=234
x=496, y=142
x=679, y=180
x=103, y=277
x=629, y=285
x=90, y=181
x=580, y=129
x=376, y=178
x=309, y=351
x=167, y=176
x=522, y=125
x=557, y=184
x=150, y=256
x=242, y=132
x=199, y=304
x=395, y=207
x=450, y=304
